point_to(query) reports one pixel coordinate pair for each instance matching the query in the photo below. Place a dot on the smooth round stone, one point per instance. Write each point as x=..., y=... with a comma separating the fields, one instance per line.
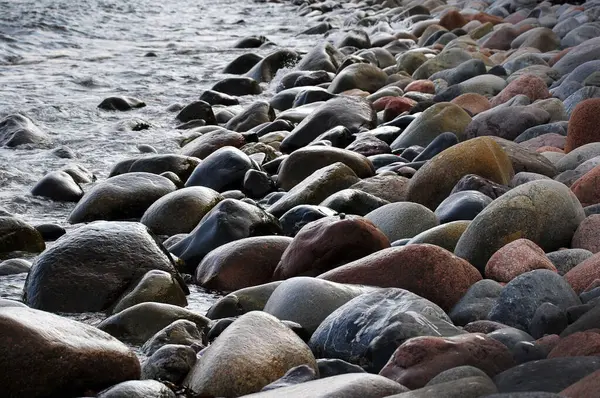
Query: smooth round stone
x=14, y=266
x=211, y=141
x=473, y=182
x=583, y=275
x=445, y=235
x=335, y=367
x=180, y=211
x=580, y=95
x=252, y=116
x=368, y=145
x=389, y=186
x=58, y=185
x=435, y=120
x=365, y=77
x=435, y=180
x=548, y=319
x=222, y=170
x=464, y=205
x=75, y=357
x=525, y=177
x=121, y=104
x=462, y=72
x=327, y=243
x=456, y=373
x=578, y=156
x=241, y=349
x=476, y=303
x=195, y=111
x=242, y=301
x=242, y=64
x=449, y=58
x=296, y=218
x=516, y=258
x=18, y=130
x=582, y=124
x=182, y=332
x=582, y=387
x=510, y=337
x=180, y=165
x=586, y=189
x=323, y=56
x=586, y=235
x=237, y=86
x=506, y=121
x=402, y=220
x=520, y=298
x=138, y=389
x=299, y=374
x=545, y=212
x=353, y=201
x=531, y=86
x=265, y=69
x=565, y=260
x=169, y=363
x=18, y=236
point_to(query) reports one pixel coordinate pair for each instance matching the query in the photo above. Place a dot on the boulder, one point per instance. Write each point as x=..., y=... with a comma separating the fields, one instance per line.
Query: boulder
x=584, y=387
x=476, y=303
x=58, y=185
x=16, y=130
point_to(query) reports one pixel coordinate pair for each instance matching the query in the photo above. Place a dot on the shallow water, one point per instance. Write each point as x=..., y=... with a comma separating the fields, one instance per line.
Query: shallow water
x=60, y=58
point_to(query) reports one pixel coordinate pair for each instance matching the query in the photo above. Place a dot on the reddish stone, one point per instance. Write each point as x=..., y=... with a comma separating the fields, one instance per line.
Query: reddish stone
x=545, y=140
x=420, y=359
x=516, y=258
x=587, y=187
x=453, y=20
x=483, y=18
x=548, y=342
x=483, y=326
x=422, y=86
x=396, y=107
x=549, y=149
x=328, y=243
x=584, y=124
x=580, y=344
x=427, y=270
x=559, y=56
x=381, y=103
x=587, y=387
x=584, y=274
x=501, y=38
x=587, y=235
x=472, y=103
x=530, y=85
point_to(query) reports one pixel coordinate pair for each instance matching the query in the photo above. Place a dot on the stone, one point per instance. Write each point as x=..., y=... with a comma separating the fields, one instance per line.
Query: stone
x=582, y=124
x=14, y=266
x=583, y=94
x=516, y=258
x=476, y=303
x=237, y=86
x=257, y=343
x=578, y=156
x=16, y=130
x=323, y=56
x=252, y=116
x=565, y=260
x=473, y=182
x=586, y=234
x=583, y=322
x=138, y=389
x=473, y=103
x=545, y=212
x=584, y=52
x=328, y=243
x=65, y=357
x=506, y=122
x=420, y=359
x=335, y=367
x=464, y=205
x=296, y=218
x=265, y=69
x=299, y=374
x=197, y=110
x=583, y=274
x=470, y=387
x=179, y=332
x=121, y=104
x=169, y=363
x=90, y=267
x=525, y=160
x=427, y=270
x=584, y=387
x=531, y=86
x=368, y=329
x=444, y=236
x=547, y=320
x=585, y=188
x=362, y=76
x=390, y=187
x=216, y=98
x=315, y=188
x=122, y=197
x=228, y=221
x=241, y=263
x=435, y=120
x=242, y=301
x=435, y=180
x=58, y=185
x=210, y=142
x=180, y=211
x=222, y=170
x=402, y=219
x=18, y=236
x=521, y=297
x=305, y=161
x=580, y=344
x=548, y=375
x=139, y=323
x=456, y=373
x=353, y=201
x=241, y=64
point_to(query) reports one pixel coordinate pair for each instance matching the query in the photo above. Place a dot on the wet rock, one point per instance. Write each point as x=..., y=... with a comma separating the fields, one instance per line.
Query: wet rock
x=353, y=201
x=241, y=64
x=58, y=185
x=228, y=221
x=323, y=56
x=266, y=68
x=418, y=360
x=427, y=270
x=18, y=130
x=335, y=367
x=456, y=373
x=296, y=218
x=180, y=332
x=14, y=266
x=74, y=358
x=242, y=348
x=222, y=170
x=369, y=145
x=216, y=98
x=516, y=258
x=361, y=76
x=18, y=236
x=180, y=165
x=476, y=303
x=520, y=298
x=445, y=236
x=299, y=374
x=390, y=187
x=180, y=211
x=464, y=205
x=543, y=211
x=121, y=197
x=242, y=301
x=195, y=111
x=402, y=220
x=241, y=263
x=473, y=182
x=238, y=86
x=565, y=260
x=138, y=389
x=121, y=104
x=90, y=267
x=210, y=142
x=257, y=184
x=252, y=116
x=169, y=363
x=327, y=243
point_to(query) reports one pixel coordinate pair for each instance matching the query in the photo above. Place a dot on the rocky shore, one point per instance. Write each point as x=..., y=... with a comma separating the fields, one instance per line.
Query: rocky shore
x=414, y=213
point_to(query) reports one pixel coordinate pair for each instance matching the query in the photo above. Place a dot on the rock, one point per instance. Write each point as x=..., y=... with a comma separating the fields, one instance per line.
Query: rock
x=296, y=218
x=156, y=286
x=549, y=375
x=583, y=274
x=543, y=211
x=390, y=187
x=90, y=267
x=58, y=185
x=323, y=56
x=242, y=301
x=353, y=201
x=583, y=387
x=180, y=165
x=347, y=385
x=138, y=389
x=402, y=220
x=565, y=260
x=295, y=300
x=367, y=329
x=210, y=142
x=516, y=258
x=547, y=320
x=316, y=187
x=14, y=266
x=435, y=180
x=242, y=348
x=180, y=332
x=121, y=197
x=252, y=116
x=511, y=338
x=242, y=64
x=586, y=234
x=169, y=363
x=328, y=243
x=180, y=211
x=470, y=387
x=222, y=170
x=473, y=182
x=582, y=124
x=217, y=98
x=585, y=188
x=18, y=236
x=445, y=235
x=121, y=104
x=197, y=110
x=241, y=263
x=464, y=205
x=437, y=119
x=506, y=122
x=299, y=374
x=142, y=321
x=520, y=298
x=427, y=270
x=74, y=358
x=586, y=321
x=530, y=85
x=305, y=161
x=16, y=130
x=589, y=50
x=335, y=367
x=583, y=94
x=257, y=184
x=369, y=145
x=362, y=76
x=473, y=103
x=476, y=303
x=228, y=221
x=420, y=359
x=266, y=68
x=456, y=373
x=449, y=58
x=580, y=344
x=237, y=86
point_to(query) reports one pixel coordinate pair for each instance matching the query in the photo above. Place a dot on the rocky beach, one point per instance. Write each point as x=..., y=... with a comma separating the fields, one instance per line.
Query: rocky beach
x=362, y=199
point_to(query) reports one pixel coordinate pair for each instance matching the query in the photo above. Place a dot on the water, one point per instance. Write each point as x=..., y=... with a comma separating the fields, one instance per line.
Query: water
x=60, y=58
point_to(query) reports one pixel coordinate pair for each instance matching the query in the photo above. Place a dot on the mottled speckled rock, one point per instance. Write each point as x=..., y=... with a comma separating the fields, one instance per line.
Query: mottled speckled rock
x=587, y=235
x=583, y=124
x=445, y=235
x=516, y=258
